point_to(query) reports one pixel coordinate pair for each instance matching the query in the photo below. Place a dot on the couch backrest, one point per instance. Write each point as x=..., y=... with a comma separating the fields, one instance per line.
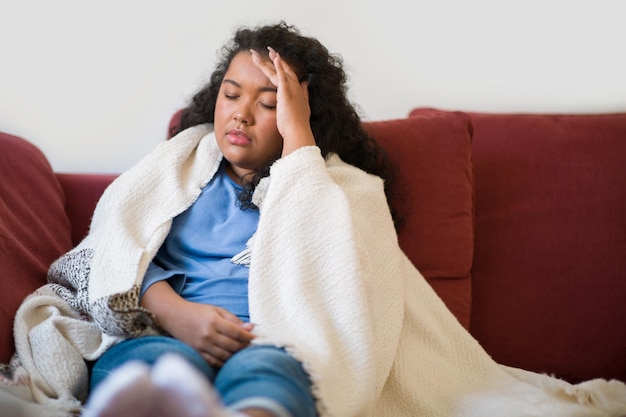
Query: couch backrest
x=82, y=192
x=34, y=229
x=549, y=291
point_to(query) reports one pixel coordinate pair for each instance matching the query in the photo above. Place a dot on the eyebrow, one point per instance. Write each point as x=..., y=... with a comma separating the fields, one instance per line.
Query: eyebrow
x=262, y=89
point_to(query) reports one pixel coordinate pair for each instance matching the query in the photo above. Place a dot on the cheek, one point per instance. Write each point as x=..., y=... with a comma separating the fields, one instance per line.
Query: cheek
x=220, y=116
x=277, y=145
x=270, y=140
x=270, y=132
x=266, y=121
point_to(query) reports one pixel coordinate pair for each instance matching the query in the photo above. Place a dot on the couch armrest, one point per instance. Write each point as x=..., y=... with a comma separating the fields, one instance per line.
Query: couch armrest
x=82, y=192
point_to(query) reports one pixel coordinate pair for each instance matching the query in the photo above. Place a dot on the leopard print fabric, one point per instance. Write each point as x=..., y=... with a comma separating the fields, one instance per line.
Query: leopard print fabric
x=121, y=315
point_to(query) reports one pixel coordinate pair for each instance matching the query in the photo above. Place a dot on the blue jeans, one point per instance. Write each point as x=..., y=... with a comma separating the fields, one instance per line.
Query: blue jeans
x=257, y=376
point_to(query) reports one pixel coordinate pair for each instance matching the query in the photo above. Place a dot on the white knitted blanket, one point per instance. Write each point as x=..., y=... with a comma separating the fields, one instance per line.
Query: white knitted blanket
x=328, y=281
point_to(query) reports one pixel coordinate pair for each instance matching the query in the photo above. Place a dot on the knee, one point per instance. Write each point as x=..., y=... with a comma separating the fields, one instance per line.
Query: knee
x=145, y=349
x=266, y=372
x=263, y=360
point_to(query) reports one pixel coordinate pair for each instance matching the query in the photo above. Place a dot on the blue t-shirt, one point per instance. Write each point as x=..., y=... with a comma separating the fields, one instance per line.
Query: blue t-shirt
x=195, y=258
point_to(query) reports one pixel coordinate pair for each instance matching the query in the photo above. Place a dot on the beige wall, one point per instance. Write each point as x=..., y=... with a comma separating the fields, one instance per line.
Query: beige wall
x=93, y=83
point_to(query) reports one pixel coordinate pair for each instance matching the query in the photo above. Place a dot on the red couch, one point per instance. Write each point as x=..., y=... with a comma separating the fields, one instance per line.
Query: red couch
x=518, y=222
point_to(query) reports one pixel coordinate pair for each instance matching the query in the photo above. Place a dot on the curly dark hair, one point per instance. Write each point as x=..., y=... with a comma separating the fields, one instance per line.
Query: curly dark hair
x=335, y=123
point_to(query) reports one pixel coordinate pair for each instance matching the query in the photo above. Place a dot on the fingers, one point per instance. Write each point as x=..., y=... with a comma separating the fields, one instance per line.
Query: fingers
x=275, y=68
x=281, y=68
x=267, y=67
x=228, y=336
x=230, y=332
x=280, y=73
x=285, y=73
x=227, y=315
x=222, y=346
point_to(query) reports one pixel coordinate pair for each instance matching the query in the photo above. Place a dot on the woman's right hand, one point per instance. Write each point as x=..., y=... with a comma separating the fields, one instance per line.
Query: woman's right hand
x=293, y=111
x=212, y=331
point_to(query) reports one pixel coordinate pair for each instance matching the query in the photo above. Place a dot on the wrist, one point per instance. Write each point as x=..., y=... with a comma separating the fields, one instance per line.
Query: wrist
x=296, y=141
x=164, y=304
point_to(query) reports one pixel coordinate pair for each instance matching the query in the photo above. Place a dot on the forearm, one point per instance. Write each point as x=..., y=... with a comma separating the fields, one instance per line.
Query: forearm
x=164, y=303
x=212, y=331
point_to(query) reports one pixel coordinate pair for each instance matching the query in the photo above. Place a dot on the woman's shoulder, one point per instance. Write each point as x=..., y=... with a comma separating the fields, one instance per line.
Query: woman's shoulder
x=354, y=178
x=335, y=163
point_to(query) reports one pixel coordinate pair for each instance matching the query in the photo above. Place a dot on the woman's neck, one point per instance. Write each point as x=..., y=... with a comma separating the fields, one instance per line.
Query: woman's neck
x=238, y=174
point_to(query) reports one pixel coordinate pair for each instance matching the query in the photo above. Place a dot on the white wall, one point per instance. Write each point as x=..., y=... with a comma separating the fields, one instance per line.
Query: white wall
x=93, y=83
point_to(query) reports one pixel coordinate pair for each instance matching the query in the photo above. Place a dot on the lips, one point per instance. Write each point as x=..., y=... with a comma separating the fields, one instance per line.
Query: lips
x=237, y=137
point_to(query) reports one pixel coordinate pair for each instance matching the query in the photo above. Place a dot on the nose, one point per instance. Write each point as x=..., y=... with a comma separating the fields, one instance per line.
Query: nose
x=242, y=115
x=240, y=119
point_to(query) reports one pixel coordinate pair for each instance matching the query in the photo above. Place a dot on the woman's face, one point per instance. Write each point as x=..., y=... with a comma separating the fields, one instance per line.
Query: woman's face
x=245, y=118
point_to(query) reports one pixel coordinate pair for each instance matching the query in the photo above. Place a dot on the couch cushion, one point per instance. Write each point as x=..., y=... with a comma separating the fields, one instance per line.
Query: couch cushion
x=435, y=196
x=550, y=255
x=34, y=229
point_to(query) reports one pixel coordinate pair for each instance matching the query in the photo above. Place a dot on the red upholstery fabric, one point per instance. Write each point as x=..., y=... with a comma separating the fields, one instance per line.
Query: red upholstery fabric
x=550, y=248
x=435, y=186
x=34, y=229
x=82, y=192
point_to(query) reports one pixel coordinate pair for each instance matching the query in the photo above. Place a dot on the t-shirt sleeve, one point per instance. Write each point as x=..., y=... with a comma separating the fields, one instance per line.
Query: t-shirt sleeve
x=155, y=273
